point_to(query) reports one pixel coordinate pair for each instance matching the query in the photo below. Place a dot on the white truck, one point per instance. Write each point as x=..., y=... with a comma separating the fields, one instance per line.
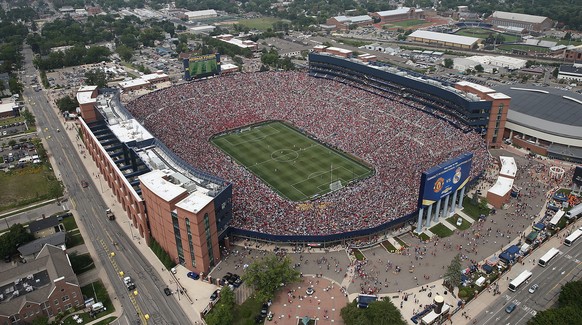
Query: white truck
x=129, y=283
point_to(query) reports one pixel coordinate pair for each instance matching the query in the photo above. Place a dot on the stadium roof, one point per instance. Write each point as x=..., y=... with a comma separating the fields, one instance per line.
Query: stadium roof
x=518, y=17
x=200, y=13
x=443, y=37
x=352, y=19
x=394, y=12
x=545, y=109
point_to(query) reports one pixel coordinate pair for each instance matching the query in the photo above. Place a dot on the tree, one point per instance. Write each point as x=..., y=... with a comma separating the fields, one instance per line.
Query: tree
x=267, y=274
x=479, y=68
x=448, y=63
x=222, y=312
x=96, y=77
x=125, y=52
x=29, y=118
x=16, y=236
x=378, y=312
x=568, y=307
x=452, y=276
x=67, y=104
x=55, y=189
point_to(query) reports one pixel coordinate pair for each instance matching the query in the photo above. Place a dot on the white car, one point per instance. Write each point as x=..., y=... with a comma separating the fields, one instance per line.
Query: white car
x=459, y=222
x=533, y=288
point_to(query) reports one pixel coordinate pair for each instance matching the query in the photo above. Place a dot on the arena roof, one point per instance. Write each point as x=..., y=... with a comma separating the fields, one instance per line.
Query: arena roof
x=545, y=109
x=518, y=17
x=443, y=37
x=399, y=11
x=353, y=19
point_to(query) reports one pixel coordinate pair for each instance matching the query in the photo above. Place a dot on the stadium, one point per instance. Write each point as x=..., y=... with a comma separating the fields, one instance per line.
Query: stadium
x=545, y=120
x=395, y=135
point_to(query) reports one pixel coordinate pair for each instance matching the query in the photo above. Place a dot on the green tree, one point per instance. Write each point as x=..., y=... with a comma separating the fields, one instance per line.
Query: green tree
x=448, y=63
x=67, y=104
x=16, y=236
x=41, y=320
x=452, y=277
x=15, y=85
x=96, y=77
x=29, y=118
x=125, y=52
x=479, y=68
x=568, y=307
x=379, y=312
x=267, y=274
x=222, y=312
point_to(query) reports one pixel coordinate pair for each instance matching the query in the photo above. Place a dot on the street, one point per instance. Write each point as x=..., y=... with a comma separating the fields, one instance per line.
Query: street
x=101, y=235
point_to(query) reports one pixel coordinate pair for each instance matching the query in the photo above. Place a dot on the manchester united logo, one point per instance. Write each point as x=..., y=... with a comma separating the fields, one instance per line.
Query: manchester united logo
x=438, y=185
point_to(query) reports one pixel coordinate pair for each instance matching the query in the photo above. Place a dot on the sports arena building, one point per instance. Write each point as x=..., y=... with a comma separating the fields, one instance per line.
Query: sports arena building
x=187, y=211
x=546, y=121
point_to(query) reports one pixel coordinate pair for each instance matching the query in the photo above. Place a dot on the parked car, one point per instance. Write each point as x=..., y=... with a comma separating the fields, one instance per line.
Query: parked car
x=533, y=288
x=264, y=310
x=510, y=308
x=193, y=275
x=167, y=291
x=214, y=295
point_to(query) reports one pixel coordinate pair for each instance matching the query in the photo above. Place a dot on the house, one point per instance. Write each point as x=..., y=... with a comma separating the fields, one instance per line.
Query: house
x=45, y=226
x=44, y=286
x=29, y=250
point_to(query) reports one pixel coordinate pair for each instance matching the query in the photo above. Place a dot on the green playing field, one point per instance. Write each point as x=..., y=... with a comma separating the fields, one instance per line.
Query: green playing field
x=294, y=165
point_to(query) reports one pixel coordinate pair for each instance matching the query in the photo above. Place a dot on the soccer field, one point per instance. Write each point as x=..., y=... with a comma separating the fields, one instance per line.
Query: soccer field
x=295, y=166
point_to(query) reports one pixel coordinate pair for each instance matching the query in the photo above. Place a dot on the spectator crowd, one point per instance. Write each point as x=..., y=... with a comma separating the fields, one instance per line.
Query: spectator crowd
x=390, y=133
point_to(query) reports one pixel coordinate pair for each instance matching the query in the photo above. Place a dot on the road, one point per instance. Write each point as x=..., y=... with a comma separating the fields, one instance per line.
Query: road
x=563, y=268
x=105, y=236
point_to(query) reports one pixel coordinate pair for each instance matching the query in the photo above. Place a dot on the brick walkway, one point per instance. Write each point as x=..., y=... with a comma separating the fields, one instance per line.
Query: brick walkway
x=326, y=297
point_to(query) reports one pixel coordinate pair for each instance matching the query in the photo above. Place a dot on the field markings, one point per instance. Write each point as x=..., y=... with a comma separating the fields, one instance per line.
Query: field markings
x=254, y=139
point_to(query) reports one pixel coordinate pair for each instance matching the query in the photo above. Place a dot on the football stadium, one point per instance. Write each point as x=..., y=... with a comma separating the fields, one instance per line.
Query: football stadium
x=310, y=154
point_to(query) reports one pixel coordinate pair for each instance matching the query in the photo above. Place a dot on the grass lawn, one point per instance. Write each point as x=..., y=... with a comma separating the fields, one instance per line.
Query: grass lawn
x=11, y=120
x=453, y=221
x=562, y=41
x=70, y=223
x=401, y=242
x=422, y=236
x=97, y=291
x=81, y=263
x=74, y=238
x=246, y=313
x=24, y=186
x=292, y=164
x=388, y=246
x=484, y=33
x=441, y=230
x=409, y=23
x=472, y=210
x=262, y=23
x=358, y=254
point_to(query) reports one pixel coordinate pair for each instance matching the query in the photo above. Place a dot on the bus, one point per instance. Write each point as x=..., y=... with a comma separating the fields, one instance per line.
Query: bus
x=572, y=238
x=544, y=260
x=515, y=283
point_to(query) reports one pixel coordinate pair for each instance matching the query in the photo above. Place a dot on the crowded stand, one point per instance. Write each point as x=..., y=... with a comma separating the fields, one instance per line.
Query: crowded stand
x=390, y=133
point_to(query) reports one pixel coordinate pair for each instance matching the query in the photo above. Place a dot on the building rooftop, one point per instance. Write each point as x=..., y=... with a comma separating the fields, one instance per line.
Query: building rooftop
x=84, y=97
x=34, y=281
x=498, y=96
x=155, y=181
x=201, y=13
x=35, y=246
x=571, y=68
x=502, y=186
x=517, y=17
x=44, y=223
x=478, y=87
x=508, y=167
x=443, y=37
x=394, y=12
x=129, y=130
x=194, y=202
x=134, y=83
x=545, y=109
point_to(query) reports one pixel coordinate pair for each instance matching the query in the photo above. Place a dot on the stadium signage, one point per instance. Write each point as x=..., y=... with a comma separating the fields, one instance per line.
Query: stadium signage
x=441, y=180
x=577, y=179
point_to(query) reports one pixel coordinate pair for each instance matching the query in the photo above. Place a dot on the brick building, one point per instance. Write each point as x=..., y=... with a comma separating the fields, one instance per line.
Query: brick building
x=400, y=14
x=44, y=286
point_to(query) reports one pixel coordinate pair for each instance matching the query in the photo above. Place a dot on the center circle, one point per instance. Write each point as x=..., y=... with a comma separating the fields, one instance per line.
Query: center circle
x=284, y=155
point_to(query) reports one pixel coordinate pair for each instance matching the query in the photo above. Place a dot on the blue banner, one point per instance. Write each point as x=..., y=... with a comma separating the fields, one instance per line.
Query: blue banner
x=443, y=179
